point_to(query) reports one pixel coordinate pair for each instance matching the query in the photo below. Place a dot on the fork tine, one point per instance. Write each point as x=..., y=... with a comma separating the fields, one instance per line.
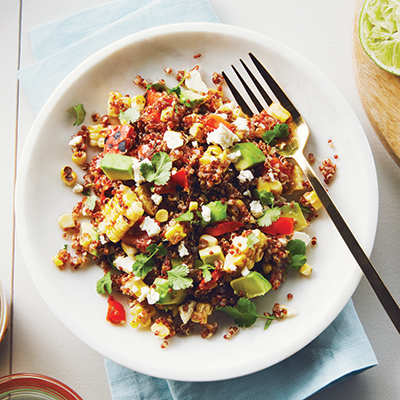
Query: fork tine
x=238, y=97
x=249, y=91
x=276, y=89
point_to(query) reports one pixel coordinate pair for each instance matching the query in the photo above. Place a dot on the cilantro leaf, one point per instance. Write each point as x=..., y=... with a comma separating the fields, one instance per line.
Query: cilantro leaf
x=157, y=248
x=266, y=198
x=159, y=171
x=80, y=114
x=177, y=277
x=130, y=115
x=268, y=321
x=244, y=314
x=297, y=253
x=91, y=202
x=104, y=283
x=144, y=264
x=206, y=271
x=297, y=261
x=187, y=216
x=279, y=131
x=270, y=216
x=252, y=239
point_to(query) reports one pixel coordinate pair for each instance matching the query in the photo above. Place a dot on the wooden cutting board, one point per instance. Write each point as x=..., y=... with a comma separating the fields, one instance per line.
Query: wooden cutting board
x=380, y=94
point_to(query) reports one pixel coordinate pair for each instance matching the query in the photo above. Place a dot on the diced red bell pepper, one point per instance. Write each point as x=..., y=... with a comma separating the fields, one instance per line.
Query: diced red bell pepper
x=213, y=121
x=120, y=139
x=282, y=226
x=115, y=312
x=144, y=151
x=178, y=179
x=222, y=228
x=287, y=168
x=152, y=96
x=215, y=276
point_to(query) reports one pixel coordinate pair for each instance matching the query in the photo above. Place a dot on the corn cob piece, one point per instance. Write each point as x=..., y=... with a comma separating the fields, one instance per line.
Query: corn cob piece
x=120, y=213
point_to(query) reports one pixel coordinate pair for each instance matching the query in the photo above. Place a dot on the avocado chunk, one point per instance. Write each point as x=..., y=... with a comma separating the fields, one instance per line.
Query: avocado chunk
x=190, y=99
x=218, y=211
x=295, y=213
x=117, y=167
x=167, y=294
x=251, y=285
x=250, y=155
x=211, y=254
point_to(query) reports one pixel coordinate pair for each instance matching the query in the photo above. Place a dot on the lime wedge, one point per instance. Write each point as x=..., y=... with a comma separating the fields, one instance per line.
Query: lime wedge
x=379, y=33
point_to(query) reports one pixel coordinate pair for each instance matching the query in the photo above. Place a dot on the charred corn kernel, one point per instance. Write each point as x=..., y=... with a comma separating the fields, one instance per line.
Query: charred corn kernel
x=162, y=215
x=85, y=240
x=129, y=250
x=132, y=285
x=203, y=311
x=120, y=213
x=278, y=112
x=297, y=180
x=144, y=195
x=241, y=256
x=97, y=133
x=213, y=153
x=167, y=114
x=196, y=130
x=117, y=103
x=263, y=185
x=313, y=199
x=141, y=314
x=275, y=187
x=175, y=233
x=208, y=241
x=68, y=176
x=160, y=330
x=138, y=102
x=267, y=268
x=79, y=157
x=66, y=221
x=193, y=205
x=186, y=311
x=306, y=270
x=57, y=261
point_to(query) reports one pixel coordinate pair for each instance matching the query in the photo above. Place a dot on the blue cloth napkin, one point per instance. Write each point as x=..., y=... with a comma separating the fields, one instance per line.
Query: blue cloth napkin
x=340, y=352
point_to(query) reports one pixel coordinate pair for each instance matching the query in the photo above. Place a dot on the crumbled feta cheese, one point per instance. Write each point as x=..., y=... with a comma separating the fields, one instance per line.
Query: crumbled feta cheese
x=137, y=174
x=195, y=143
x=75, y=141
x=183, y=251
x=206, y=213
x=247, y=193
x=150, y=226
x=103, y=239
x=173, y=139
x=240, y=242
x=144, y=291
x=124, y=263
x=241, y=124
x=157, y=199
x=77, y=188
x=256, y=209
x=290, y=312
x=195, y=83
x=245, y=271
x=234, y=157
x=153, y=296
x=245, y=175
x=222, y=136
x=302, y=236
x=186, y=311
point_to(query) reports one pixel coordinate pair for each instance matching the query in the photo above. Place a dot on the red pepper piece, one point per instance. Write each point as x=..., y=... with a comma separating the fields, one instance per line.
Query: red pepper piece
x=120, y=139
x=115, y=312
x=213, y=121
x=287, y=168
x=152, y=96
x=178, y=179
x=282, y=226
x=215, y=276
x=222, y=228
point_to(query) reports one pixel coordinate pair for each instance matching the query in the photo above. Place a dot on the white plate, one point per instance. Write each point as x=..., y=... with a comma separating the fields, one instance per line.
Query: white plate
x=42, y=198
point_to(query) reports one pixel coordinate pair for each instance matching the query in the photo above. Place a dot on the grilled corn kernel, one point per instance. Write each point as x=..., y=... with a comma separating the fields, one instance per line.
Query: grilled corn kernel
x=117, y=103
x=313, y=199
x=57, y=261
x=162, y=216
x=203, y=311
x=160, y=330
x=306, y=270
x=196, y=130
x=297, y=180
x=68, y=176
x=267, y=268
x=79, y=157
x=138, y=102
x=278, y=112
x=141, y=314
x=97, y=133
x=167, y=114
x=129, y=250
x=275, y=187
x=66, y=221
x=263, y=185
x=193, y=205
x=175, y=233
x=213, y=153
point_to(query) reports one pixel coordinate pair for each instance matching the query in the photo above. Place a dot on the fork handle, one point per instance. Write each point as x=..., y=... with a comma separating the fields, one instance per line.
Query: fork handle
x=385, y=297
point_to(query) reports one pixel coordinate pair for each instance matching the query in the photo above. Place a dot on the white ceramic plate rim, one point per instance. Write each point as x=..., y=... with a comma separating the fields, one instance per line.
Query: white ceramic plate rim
x=192, y=373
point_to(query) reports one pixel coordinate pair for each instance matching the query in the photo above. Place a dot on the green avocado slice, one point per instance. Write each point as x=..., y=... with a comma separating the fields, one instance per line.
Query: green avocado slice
x=117, y=167
x=251, y=285
x=250, y=155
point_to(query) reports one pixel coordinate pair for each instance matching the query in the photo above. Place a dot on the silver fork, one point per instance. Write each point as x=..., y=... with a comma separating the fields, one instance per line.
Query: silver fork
x=301, y=133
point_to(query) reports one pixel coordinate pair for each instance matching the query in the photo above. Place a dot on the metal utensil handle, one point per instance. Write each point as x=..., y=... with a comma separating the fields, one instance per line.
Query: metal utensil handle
x=385, y=297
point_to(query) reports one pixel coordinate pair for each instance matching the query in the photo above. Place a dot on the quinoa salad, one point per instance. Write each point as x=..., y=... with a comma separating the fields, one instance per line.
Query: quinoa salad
x=187, y=207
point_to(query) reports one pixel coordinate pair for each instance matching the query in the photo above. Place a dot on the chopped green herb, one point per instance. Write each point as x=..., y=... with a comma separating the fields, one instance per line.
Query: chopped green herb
x=279, y=131
x=297, y=253
x=80, y=114
x=206, y=268
x=144, y=263
x=266, y=198
x=187, y=216
x=104, y=284
x=270, y=216
x=65, y=246
x=177, y=277
x=159, y=171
